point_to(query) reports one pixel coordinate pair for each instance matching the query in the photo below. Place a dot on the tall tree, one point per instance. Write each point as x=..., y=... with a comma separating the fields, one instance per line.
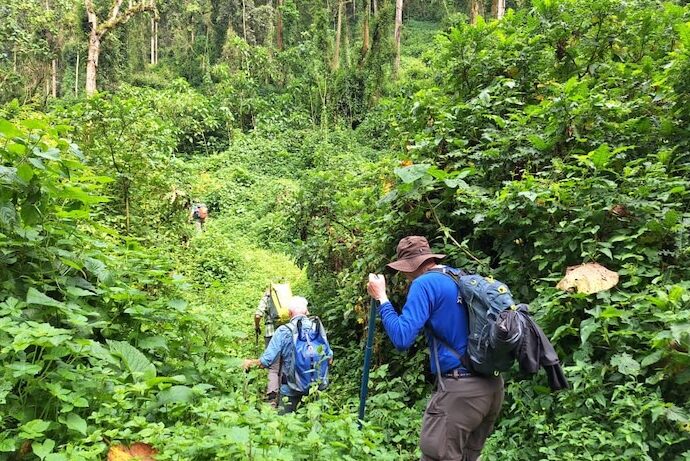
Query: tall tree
x=498, y=8
x=476, y=9
x=154, y=40
x=338, y=35
x=365, y=28
x=279, y=24
x=398, y=32
x=99, y=29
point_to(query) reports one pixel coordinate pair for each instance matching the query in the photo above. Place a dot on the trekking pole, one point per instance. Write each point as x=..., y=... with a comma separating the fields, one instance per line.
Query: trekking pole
x=367, y=361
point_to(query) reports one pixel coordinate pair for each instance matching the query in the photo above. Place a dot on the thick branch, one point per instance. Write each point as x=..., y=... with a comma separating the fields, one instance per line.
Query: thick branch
x=115, y=10
x=116, y=19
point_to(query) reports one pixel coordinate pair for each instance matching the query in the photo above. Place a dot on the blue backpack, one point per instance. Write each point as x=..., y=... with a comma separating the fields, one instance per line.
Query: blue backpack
x=312, y=353
x=494, y=334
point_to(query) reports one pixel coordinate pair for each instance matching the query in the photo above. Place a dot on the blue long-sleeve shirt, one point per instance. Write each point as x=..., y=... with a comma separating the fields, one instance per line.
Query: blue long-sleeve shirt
x=431, y=301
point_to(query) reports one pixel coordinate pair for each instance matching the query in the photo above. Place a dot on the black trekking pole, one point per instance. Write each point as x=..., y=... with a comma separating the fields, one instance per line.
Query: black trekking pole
x=367, y=361
x=257, y=333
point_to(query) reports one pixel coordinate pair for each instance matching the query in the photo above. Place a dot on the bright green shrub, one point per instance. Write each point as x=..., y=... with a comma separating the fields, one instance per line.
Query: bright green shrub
x=75, y=297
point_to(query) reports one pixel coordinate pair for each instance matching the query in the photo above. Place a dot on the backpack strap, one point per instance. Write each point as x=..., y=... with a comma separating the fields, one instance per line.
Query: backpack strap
x=434, y=351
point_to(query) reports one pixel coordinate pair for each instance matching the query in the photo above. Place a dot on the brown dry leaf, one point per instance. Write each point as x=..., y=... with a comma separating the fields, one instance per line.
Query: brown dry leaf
x=588, y=278
x=119, y=453
x=142, y=451
x=137, y=451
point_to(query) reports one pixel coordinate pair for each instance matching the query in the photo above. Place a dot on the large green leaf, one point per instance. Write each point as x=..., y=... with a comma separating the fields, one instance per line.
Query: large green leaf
x=412, y=173
x=34, y=429
x=626, y=364
x=8, y=130
x=134, y=361
x=34, y=296
x=8, y=214
x=43, y=449
x=76, y=423
x=176, y=394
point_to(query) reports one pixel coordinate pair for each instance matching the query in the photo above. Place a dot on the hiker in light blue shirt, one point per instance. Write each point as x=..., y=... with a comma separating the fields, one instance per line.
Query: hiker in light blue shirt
x=282, y=346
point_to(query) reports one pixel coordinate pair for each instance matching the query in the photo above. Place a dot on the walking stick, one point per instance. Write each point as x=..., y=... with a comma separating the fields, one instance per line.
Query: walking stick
x=367, y=361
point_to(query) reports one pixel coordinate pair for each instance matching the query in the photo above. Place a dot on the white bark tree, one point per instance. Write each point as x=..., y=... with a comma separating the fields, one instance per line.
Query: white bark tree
x=476, y=9
x=498, y=8
x=398, y=34
x=338, y=34
x=99, y=29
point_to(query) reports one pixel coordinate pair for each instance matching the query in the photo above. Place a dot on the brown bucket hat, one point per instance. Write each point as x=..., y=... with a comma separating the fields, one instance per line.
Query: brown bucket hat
x=412, y=251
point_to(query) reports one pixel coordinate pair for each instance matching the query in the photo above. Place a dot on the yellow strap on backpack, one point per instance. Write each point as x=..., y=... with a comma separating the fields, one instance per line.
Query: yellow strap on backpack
x=281, y=293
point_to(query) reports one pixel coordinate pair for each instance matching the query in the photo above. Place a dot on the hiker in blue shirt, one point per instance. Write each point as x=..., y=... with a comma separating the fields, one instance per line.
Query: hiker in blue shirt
x=462, y=411
x=282, y=346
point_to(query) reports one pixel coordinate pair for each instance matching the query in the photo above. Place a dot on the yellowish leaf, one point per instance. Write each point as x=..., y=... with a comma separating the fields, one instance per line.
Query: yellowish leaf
x=588, y=278
x=119, y=453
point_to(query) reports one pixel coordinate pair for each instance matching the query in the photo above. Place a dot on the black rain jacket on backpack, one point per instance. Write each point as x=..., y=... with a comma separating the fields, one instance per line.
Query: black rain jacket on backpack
x=534, y=349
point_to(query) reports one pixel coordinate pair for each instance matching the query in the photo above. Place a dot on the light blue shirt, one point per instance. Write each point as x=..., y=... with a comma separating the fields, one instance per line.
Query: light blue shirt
x=282, y=345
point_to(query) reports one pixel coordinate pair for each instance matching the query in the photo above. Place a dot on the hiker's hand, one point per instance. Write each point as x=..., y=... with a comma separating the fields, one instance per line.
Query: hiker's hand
x=377, y=287
x=248, y=363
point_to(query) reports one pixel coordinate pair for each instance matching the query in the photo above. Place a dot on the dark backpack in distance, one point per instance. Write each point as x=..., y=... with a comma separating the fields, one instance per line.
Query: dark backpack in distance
x=311, y=356
x=494, y=334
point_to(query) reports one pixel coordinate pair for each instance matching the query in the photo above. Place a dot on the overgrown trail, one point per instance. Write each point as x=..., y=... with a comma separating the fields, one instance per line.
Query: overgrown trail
x=242, y=249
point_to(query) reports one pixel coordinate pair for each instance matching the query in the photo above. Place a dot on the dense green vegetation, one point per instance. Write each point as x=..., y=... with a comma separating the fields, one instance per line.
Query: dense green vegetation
x=555, y=136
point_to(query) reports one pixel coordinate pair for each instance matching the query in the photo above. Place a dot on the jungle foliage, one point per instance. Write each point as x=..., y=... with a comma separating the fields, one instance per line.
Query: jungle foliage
x=556, y=136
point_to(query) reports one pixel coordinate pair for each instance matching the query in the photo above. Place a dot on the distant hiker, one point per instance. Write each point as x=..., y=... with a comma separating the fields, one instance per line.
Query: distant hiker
x=303, y=347
x=461, y=413
x=198, y=215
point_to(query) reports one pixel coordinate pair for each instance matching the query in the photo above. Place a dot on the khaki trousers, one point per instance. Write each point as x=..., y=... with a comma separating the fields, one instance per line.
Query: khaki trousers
x=273, y=387
x=458, y=421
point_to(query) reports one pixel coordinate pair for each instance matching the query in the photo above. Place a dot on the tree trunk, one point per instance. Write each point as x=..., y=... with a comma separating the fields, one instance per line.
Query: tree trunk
x=376, y=8
x=476, y=8
x=93, y=50
x=54, y=78
x=155, y=61
x=100, y=29
x=365, y=29
x=346, y=41
x=46, y=79
x=498, y=8
x=398, y=33
x=279, y=25
x=244, y=20
x=338, y=33
x=92, y=62
x=76, y=77
x=153, y=43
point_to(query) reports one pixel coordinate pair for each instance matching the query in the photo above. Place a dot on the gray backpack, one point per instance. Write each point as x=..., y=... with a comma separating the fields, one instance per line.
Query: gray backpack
x=494, y=333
